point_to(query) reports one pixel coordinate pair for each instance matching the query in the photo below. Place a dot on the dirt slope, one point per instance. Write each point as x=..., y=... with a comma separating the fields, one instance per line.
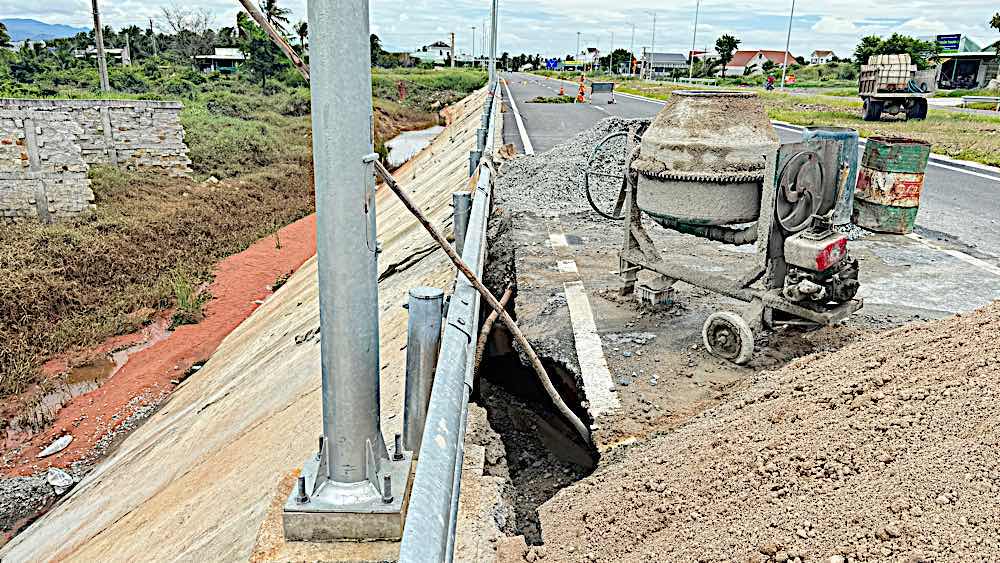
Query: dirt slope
x=883, y=451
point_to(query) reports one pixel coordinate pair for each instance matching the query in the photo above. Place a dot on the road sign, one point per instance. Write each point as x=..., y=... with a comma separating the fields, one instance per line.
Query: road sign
x=949, y=43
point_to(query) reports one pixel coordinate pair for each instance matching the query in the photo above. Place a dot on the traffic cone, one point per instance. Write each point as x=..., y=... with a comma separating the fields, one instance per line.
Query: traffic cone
x=562, y=91
x=581, y=95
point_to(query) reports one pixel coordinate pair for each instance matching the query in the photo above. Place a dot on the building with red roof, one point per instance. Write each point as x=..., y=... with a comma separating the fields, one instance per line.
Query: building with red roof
x=755, y=60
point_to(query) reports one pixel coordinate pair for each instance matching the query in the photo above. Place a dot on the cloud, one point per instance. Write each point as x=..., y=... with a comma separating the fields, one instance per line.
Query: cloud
x=835, y=26
x=549, y=27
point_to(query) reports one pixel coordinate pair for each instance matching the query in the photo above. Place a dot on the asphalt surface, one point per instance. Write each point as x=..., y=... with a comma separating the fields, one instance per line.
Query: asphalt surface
x=960, y=206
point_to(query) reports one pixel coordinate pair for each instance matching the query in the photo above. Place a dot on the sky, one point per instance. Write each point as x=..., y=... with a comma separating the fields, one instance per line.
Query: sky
x=550, y=27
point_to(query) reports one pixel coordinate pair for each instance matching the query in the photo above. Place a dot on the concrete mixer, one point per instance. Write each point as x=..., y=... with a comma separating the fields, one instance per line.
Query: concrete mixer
x=710, y=165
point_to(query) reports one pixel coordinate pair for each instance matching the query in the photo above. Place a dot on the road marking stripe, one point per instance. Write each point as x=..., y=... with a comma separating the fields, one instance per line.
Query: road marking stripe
x=597, y=385
x=525, y=141
x=567, y=267
x=982, y=264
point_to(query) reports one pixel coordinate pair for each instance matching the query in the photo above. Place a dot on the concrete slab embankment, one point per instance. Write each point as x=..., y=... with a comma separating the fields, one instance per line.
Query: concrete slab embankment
x=196, y=481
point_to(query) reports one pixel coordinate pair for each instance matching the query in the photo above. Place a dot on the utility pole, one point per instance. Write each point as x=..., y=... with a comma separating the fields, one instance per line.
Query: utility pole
x=473, y=46
x=694, y=39
x=788, y=41
x=352, y=488
x=577, y=54
x=631, y=53
x=652, y=49
x=493, y=42
x=611, y=57
x=453, y=49
x=152, y=34
x=102, y=63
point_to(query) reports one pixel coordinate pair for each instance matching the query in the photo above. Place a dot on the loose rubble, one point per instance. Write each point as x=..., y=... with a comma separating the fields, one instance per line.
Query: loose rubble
x=553, y=181
x=883, y=451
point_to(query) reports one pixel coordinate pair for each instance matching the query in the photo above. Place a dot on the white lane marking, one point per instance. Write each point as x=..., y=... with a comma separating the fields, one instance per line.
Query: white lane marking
x=981, y=264
x=567, y=266
x=525, y=141
x=597, y=385
x=558, y=240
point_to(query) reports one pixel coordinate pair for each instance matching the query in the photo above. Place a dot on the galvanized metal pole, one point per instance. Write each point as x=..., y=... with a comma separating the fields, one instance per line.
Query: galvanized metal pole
x=611, y=56
x=347, y=248
x=473, y=46
x=652, y=48
x=788, y=41
x=102, y=63
x=631, y=53
x=462, y=202
x=694, y=40
x=423, y=340
x=493, y=41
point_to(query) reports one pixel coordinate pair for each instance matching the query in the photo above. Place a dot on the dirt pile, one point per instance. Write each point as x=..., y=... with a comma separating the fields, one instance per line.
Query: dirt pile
x=553, y=181
x=883, y=451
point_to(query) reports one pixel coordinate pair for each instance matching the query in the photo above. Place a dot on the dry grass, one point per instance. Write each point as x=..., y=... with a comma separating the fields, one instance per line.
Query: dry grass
x=75, y=284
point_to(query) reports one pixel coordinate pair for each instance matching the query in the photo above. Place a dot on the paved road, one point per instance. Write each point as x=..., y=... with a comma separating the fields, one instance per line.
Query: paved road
x=960, y=206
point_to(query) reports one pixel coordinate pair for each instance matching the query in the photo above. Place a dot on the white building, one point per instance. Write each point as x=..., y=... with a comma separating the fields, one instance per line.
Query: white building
x=821, y=57
x=437, y=53
x=225, y=60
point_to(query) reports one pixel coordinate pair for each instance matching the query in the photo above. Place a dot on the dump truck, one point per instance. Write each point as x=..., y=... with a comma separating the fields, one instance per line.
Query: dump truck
x=892, y=84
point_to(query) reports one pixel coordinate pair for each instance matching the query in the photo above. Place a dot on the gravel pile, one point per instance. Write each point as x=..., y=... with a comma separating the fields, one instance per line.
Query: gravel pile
x=553, y=181
x=886, y=450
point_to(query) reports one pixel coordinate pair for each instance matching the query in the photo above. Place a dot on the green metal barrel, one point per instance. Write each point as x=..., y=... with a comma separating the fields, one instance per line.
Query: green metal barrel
x=890, y=181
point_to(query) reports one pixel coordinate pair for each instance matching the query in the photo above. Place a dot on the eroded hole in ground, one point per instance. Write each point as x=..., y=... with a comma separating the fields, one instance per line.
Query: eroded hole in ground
x=544, y=453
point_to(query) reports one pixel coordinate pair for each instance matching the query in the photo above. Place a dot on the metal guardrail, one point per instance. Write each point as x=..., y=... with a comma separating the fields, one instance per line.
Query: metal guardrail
x=980, y=99
x=429, y=533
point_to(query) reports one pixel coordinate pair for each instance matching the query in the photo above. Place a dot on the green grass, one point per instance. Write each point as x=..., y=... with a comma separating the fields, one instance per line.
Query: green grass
x=552, y=100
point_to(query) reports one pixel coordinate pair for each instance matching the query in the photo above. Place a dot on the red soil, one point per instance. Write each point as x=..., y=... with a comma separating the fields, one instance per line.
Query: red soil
x=240, y=281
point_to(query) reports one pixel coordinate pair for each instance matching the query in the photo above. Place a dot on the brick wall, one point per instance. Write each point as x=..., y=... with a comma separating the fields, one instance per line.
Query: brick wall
x=47, y=147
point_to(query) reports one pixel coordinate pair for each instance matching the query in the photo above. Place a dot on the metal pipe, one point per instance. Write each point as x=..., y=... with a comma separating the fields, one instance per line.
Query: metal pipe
x=433, y=509
x=347, y=248
x=462, y=202
x=423, y=341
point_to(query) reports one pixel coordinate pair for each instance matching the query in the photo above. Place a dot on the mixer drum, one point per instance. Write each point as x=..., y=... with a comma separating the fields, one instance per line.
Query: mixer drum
x=703, y=158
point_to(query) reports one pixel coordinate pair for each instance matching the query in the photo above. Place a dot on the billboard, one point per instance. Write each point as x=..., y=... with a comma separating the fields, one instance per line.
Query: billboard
x=949, y=43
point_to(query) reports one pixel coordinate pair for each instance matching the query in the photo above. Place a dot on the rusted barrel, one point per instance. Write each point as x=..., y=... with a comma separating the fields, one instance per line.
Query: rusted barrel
x=847, y=161
x=889, y=184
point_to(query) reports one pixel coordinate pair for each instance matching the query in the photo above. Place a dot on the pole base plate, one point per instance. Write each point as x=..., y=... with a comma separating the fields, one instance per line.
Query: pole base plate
x=339, y=513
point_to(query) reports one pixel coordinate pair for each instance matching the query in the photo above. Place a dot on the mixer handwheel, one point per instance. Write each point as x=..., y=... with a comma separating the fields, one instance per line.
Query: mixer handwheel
x=800, y=191
x=606, y=205
x=728, y=336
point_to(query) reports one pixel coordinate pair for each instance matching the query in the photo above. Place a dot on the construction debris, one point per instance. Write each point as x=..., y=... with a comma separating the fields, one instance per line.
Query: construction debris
x=882, y=451
x=553, y=181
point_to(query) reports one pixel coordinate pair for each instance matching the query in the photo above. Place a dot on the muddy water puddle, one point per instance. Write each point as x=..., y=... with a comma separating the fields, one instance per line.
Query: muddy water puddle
x=36, y=408
x=404, y=146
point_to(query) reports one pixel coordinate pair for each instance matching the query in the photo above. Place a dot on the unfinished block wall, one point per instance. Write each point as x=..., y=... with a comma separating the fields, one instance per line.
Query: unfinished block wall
x=47, y=147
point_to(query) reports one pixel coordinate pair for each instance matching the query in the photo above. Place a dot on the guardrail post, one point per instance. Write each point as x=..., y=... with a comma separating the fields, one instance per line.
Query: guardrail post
x=423, y=340
x=474, y=157
x=462, y=202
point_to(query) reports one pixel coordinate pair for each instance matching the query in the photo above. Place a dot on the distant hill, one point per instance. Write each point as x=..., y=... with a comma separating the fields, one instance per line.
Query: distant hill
x=21, y=29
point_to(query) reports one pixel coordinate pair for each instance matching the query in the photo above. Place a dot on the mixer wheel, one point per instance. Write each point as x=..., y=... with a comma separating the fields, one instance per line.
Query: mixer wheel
x=728, y=336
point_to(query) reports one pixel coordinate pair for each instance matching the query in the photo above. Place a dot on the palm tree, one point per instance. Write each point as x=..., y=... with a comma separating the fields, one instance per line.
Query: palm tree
x=275, y=15
x=301, y=29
